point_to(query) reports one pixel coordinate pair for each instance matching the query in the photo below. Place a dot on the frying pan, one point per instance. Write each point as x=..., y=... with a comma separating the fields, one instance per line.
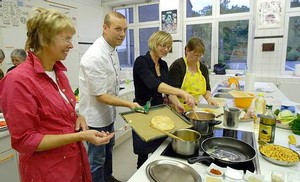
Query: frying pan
x=226, y=150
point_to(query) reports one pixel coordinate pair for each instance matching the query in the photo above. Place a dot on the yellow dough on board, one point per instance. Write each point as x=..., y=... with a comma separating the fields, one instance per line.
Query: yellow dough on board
x=162, y=122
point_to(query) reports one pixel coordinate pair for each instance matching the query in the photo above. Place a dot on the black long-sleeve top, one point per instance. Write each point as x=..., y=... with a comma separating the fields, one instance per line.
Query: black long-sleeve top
x=146, y=81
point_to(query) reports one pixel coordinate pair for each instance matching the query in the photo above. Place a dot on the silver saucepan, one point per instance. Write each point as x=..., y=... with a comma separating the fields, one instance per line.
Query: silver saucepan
x=190, y=143
x=202, y=121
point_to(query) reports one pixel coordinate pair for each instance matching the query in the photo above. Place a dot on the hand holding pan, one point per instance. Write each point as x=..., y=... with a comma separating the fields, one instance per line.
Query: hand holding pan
x=226, y=150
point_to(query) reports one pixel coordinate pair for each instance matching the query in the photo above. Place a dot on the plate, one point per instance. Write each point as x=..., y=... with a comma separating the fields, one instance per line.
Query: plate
x=169, y=171
x=216, y=167
x=234, y=174
x=209, y=178
x=250, y=177
x=279, y=162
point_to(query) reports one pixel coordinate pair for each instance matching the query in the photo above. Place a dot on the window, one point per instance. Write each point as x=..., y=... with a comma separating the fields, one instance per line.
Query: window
x=149, y=13
x=229, y=7
x=295, y=3
x=128, y=13
x=293, y=44
x=195, y=8
x=202, y=31
x=126, y=50
x=233, y=43
x=141, y=25
x=225, y=32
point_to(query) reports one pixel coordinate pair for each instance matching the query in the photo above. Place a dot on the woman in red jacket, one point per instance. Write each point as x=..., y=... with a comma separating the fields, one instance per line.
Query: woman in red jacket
x=39, y=106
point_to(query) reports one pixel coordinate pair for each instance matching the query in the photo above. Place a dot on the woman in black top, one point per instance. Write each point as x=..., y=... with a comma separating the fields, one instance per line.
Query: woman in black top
x=150, y=76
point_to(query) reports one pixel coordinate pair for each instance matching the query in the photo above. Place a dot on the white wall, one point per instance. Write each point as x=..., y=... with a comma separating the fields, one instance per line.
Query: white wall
x=88, y=21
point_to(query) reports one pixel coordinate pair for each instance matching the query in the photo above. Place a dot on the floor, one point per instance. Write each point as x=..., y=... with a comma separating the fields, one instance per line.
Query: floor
x=124, y=161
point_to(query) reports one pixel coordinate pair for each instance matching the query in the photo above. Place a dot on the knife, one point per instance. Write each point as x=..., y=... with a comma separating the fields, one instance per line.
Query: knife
x=293, y=143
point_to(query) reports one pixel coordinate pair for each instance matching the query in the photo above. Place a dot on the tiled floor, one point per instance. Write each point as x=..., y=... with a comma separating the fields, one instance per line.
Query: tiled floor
x=124, y=161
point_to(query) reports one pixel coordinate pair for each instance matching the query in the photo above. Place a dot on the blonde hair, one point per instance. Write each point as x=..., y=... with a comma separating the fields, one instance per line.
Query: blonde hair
x=43, y=26
x=195, y=43
x=160, y=38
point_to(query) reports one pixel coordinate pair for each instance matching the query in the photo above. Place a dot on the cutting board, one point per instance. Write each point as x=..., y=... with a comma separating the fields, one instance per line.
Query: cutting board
x=140, y=122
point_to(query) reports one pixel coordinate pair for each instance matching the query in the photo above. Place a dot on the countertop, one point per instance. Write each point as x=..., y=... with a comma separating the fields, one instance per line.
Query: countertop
x=273, y=96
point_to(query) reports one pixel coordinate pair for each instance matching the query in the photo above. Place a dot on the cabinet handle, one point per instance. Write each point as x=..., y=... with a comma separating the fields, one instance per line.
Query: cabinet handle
x=8, y=157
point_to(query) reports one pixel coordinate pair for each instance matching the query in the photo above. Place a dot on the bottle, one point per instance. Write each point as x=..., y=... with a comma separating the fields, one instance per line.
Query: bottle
x=260, y=105
x=267, y=124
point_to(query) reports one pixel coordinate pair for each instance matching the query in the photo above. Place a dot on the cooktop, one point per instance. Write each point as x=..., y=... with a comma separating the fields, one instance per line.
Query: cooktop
x=245, y=136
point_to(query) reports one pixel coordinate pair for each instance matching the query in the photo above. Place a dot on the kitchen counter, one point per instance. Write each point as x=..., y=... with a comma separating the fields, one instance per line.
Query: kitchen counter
x=273, y=96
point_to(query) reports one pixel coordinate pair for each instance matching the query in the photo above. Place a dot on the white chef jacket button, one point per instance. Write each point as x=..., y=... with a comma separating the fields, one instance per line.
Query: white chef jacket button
x=65, y=157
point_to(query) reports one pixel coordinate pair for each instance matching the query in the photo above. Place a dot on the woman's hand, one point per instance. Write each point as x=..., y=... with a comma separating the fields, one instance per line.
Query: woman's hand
x=81, y=124
x=97, y=138
x=212, y=101
x=188, y=99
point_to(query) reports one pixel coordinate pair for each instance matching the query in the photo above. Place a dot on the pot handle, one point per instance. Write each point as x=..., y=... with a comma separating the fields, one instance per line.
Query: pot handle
x=214, y=122
x=193, y=160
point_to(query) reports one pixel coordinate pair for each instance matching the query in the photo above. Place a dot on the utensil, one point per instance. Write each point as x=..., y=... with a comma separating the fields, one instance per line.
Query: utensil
x=123, y=128
x=167, y=133
x=191, y=142
x=205, y=122
x=231, y=117
x=293, y=143
x=226, y=150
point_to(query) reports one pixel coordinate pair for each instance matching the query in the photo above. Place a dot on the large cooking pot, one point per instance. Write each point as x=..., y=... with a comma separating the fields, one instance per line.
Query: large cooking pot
x=202, y=121
x=226, y=150
x=190, y=143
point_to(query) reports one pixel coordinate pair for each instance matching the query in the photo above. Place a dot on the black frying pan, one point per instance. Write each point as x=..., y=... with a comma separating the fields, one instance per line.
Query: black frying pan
x=226, y=150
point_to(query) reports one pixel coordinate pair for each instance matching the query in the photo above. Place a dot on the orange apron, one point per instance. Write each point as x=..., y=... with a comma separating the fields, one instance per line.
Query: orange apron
x=193, y=83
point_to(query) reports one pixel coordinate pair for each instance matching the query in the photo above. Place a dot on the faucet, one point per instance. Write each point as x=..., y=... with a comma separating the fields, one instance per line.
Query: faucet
x=236, y=82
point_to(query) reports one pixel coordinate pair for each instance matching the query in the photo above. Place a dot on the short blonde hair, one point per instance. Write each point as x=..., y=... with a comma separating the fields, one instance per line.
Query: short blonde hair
x=108, y=16
x=160, y=38
x=44, y=25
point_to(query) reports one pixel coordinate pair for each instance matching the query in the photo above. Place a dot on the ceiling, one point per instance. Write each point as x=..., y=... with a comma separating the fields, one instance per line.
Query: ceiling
x=114, y=3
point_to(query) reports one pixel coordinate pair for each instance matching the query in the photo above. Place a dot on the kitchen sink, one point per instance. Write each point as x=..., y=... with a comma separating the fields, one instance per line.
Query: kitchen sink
x=224, y=90
x=223, y=95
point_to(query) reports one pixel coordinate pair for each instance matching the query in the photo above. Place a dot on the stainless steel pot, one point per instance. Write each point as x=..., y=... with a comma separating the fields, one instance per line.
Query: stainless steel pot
x=204, y=122
x=191, y=142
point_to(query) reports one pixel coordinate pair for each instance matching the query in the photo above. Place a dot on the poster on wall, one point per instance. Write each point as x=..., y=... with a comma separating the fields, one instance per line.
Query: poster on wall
x=270, y=13
x=169, y=21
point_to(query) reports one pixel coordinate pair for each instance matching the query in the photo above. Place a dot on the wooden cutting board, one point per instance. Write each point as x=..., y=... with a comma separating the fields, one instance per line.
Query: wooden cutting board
x=140, y=122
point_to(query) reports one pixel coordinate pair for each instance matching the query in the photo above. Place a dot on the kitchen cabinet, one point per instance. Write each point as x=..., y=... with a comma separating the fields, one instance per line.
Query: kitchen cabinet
x=9, y=170
x=126, y=94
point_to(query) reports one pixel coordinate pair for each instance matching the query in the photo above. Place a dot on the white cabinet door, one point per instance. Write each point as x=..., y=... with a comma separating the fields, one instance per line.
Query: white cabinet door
x=9, y=170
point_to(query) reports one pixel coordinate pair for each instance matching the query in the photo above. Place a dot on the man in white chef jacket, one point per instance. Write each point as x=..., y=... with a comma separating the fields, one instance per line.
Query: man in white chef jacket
x=98, y=90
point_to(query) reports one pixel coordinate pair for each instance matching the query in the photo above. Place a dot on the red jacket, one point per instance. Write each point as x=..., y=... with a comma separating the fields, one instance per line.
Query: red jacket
x=33, y=107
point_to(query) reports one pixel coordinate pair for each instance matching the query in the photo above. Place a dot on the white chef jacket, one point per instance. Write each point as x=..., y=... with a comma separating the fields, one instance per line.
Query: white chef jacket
x=98, y=75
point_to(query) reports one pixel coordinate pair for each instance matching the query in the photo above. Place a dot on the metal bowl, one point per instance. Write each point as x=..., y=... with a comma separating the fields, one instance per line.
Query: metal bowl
x=171, y=171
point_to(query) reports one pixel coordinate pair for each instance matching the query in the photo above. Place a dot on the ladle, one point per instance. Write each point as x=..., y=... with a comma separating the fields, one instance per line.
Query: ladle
x=167, y=133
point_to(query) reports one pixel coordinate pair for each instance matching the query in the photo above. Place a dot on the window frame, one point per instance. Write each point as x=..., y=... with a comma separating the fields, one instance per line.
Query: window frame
x=215, y=18
x=136, y=25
